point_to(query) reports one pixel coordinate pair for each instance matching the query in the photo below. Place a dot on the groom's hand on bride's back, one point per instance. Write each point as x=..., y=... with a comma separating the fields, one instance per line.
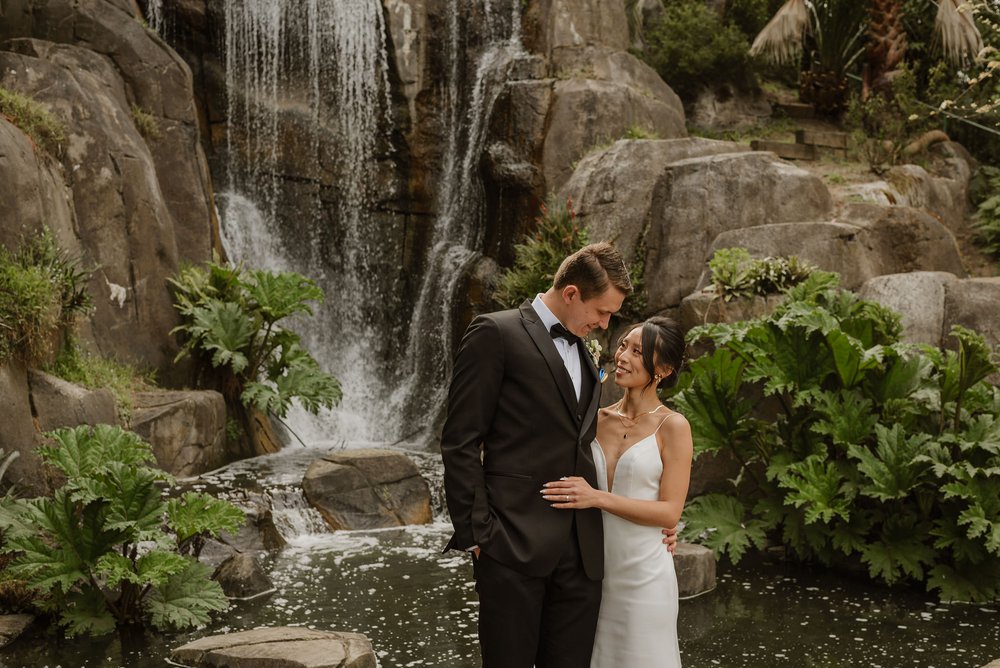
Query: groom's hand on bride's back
x=670, y=539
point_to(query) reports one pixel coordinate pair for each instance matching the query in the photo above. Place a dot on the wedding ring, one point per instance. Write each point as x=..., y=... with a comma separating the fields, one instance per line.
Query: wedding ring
x=567, y=498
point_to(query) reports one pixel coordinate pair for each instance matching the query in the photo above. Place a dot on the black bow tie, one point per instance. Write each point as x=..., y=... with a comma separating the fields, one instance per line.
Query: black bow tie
x=557, y=331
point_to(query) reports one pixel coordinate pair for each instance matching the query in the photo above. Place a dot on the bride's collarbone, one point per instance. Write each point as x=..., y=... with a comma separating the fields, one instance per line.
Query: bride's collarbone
x=615, y=438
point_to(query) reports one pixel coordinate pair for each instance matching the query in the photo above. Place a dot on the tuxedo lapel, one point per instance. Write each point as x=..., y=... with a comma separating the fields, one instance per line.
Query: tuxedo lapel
x=595, y=395
x=543, y=341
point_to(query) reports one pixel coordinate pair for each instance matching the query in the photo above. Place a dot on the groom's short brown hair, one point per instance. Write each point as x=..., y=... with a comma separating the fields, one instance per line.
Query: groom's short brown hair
x=593, y=269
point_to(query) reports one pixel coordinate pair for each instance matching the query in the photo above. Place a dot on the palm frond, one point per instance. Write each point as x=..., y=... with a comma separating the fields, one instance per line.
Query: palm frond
x=780, y=41
x=955, y=27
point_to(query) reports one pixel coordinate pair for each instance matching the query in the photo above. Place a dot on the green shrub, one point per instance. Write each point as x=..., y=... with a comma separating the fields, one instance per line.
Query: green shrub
x=97, y=552
x=690, y=45
x=556, y=235
x=636, y=131
x=94, y=371
x=987, y=219
x=735, y=274
x=882, y=126
x=33, y=119
x=854, y=447
x=42, y=291
x=231, y=322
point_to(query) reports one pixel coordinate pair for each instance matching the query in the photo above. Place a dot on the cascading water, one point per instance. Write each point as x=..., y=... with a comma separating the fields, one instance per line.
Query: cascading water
x=323, y=64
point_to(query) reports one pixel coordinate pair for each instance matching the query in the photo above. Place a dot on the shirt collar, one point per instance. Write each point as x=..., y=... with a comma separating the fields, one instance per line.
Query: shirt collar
x=548, y=318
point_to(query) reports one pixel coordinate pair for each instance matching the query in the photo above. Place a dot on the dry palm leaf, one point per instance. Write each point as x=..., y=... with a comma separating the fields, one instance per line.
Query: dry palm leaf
x=960, y=38
x=781, y=39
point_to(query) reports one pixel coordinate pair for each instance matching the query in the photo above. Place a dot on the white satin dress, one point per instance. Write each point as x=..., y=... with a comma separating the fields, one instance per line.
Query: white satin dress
x=637, y=626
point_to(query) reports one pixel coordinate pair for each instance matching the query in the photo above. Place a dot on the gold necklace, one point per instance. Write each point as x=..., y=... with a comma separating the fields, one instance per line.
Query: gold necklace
x=622, y=417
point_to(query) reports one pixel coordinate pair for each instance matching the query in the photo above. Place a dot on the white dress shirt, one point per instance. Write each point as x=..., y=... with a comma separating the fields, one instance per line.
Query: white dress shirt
x=570, y=355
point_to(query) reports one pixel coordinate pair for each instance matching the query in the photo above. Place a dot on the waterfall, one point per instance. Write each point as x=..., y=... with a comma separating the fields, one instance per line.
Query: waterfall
x=459, y=226
x=154, y=15
x=310, y=79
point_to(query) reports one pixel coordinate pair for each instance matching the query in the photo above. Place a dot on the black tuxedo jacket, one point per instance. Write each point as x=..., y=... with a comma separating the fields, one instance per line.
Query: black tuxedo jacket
x=514, y=422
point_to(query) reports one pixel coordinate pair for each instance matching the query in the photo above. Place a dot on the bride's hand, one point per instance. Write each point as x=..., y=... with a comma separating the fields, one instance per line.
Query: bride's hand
x=571, y=492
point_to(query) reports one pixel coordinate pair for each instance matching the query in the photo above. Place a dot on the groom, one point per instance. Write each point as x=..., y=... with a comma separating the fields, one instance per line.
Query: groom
x=521, y=411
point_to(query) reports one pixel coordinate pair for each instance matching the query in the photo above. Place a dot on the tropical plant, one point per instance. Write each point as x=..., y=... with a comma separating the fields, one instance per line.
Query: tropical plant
x=557, y=234
x=107, y=548
x=735, y=274
x=988, y=215
x=843, y=30
x=854, y=448
x=42, y=292
x=231, y=323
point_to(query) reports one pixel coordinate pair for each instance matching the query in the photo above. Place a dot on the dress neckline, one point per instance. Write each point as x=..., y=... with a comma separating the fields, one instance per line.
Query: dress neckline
x=611, y=481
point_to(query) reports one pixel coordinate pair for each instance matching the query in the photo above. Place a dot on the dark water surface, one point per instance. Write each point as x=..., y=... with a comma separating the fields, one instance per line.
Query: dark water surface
x=419, y=608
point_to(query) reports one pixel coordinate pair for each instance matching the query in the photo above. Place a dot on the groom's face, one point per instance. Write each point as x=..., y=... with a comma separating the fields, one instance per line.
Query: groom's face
x=594, y=313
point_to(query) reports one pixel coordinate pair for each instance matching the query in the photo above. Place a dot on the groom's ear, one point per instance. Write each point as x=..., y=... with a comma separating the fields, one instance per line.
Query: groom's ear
x=569, y=292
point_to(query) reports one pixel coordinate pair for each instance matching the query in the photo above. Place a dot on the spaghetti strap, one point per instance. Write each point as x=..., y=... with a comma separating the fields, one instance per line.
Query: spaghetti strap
x=664, y=420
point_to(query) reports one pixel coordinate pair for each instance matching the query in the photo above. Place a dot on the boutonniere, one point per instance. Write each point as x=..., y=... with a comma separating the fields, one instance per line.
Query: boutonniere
x=595, y=350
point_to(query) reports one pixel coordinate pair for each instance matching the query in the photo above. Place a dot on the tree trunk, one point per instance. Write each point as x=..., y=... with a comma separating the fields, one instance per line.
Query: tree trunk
x=886, y=44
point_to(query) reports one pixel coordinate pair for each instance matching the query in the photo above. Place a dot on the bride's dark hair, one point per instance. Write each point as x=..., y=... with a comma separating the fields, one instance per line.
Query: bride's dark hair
x=663, y=341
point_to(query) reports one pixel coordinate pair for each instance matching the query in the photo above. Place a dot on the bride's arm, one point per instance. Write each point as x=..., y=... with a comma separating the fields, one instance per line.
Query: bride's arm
x=676, y=450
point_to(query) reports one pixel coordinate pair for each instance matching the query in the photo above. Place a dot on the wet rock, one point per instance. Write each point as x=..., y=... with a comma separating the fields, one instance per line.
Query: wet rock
x=60, y=403
x=11, y=626
x=280, y=647
x=241, y=576
x=18, y=433
x=695, y=566
x=993, y=664
x=367, y=489
x=187, y=429
x=918, y=297
x=665, y=201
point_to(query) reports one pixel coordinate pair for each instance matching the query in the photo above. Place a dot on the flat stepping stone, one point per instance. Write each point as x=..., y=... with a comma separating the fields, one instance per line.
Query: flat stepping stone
x=830, y=139
x=278, y=647
x=796, y=109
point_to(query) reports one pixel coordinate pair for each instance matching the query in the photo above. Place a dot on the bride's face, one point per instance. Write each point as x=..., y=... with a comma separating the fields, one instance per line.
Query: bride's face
x=629, y=370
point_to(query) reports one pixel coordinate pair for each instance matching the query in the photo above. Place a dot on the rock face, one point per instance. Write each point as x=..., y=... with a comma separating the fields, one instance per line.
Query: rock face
x=287, y=647
x=59, y=403
x=18, y=433
x=972, y=303
x=11, y=626
x=133, y=206
x=187, y=430
x=695, y=566
x=367, y=489
x=664, y=202
x=919, y=297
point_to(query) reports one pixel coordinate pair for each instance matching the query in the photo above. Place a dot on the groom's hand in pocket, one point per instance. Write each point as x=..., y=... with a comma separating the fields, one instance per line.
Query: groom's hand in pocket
x=670, y=539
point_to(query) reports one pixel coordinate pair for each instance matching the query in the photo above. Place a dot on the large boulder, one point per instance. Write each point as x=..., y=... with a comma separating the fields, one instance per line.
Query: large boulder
x=867, y=240
x=367, y=489
x=664, y=202
x=278, y=647
x=918, y=297
x=60, y=403
x=11, y=626
x=241, y=576
x=187, y=429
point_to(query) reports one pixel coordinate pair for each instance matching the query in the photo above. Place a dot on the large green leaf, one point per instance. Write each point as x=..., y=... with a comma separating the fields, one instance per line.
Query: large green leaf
x=847, y=417
x=84, y=451
x=905, y=374
x=719, y=522
x=893, y=469
x=948, y=534
x=186, y=599
x=279, y=295
x=86, y=613
x=135, y=506
x=711, y=402
x=899, y=551
x=195, y=513
x=850, y=359
x=980, y=584
x=116, y=568
x=225, y=331
x=157, y=567
x=816, y=486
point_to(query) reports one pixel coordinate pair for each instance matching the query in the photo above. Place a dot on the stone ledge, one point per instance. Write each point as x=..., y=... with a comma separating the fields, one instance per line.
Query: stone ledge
x=278, y=647
x=695, y=567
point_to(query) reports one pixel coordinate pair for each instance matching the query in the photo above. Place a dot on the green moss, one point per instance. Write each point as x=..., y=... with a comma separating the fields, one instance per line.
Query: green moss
x=145, y=123
x=636, y=131
x=33, y=119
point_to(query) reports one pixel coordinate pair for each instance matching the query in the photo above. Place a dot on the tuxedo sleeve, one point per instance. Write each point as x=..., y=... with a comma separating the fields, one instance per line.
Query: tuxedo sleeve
x=472, y=401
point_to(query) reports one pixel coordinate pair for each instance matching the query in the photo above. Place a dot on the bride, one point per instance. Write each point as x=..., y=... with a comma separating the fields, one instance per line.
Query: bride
x=643, y=456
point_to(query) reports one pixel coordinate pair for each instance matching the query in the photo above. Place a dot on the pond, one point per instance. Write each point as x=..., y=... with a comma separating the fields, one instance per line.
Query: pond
x=419, y=608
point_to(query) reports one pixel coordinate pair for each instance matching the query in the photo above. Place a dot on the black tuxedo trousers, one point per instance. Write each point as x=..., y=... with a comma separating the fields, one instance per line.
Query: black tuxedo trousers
x=514, y=422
